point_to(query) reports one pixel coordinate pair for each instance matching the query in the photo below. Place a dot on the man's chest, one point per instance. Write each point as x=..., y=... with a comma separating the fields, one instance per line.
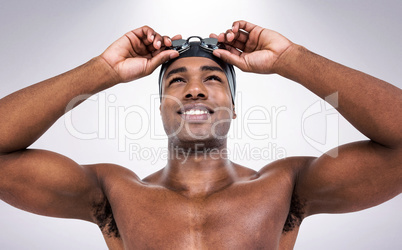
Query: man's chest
x=239, y=216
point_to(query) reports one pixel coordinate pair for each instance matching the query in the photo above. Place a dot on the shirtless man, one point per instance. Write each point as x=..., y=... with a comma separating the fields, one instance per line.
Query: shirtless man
x=205, y=201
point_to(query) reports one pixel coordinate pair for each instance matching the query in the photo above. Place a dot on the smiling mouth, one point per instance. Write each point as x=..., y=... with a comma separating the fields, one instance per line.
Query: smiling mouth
x=196, y=114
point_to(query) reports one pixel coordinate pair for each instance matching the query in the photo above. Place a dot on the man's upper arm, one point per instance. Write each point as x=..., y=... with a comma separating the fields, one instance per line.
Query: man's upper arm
x=47, y=183
x=364, y=174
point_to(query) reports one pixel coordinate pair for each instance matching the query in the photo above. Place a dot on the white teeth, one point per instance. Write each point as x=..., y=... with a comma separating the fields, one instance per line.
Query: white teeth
x=196, y=112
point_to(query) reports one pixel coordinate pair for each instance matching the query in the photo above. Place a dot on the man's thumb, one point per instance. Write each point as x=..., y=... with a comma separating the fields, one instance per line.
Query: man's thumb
x=162, y=57
x=228, y=57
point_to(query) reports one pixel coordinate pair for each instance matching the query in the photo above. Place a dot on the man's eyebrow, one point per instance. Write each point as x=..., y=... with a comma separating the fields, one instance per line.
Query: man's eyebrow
x=211, y=68
x=177, y=70
x=202, y=68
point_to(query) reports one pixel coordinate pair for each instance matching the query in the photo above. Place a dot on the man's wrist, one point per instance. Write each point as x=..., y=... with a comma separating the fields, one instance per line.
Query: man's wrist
x=285, y=63
x=110, y=76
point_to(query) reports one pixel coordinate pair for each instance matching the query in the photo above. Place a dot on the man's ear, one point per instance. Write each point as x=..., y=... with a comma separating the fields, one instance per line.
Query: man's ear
x=234, y=112
x=160, y=111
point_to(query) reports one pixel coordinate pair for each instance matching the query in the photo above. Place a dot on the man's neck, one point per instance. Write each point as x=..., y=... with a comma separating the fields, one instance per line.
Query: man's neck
x=198, y=171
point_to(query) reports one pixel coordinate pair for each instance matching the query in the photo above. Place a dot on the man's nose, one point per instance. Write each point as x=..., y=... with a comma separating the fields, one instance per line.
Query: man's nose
x=196, y=90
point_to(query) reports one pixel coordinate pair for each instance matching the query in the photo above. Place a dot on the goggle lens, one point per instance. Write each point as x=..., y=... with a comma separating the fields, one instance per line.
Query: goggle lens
x=182, y=45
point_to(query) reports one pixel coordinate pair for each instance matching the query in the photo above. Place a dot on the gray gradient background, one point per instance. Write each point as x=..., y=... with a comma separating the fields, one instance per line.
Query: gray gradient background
x=40, y=39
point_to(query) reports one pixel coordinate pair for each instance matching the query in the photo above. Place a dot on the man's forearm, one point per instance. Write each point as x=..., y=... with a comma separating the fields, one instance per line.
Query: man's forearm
x=373, y=106
x=28, y=113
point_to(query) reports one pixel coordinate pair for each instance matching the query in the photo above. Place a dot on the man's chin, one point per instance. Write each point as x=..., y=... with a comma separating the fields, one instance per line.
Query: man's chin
x=195, y=138
x=188, y=140
x=198, y=133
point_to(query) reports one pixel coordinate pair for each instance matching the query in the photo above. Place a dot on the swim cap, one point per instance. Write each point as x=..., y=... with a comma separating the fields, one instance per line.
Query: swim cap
x=196, y=50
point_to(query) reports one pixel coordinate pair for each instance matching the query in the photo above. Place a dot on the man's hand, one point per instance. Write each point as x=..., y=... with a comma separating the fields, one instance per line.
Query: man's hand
x=138, y=53
x=251, y=48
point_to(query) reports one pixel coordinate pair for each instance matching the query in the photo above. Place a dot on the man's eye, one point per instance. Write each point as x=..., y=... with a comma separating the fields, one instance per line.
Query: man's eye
x=176, y=79
x=213, y=78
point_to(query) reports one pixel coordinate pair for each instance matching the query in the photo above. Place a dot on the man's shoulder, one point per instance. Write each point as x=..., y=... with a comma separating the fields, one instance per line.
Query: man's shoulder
x=108, y=172
x=289, y=166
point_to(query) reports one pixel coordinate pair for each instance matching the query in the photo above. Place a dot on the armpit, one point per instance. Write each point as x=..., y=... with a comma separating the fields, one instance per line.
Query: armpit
x=295, y=215
x=105, y=220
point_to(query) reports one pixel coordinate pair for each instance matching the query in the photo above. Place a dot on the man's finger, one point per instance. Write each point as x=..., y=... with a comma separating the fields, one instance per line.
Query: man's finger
x=146, y=34
x=235, y=27
x=233, y=50
x=235, y=40
x=213, y=35
x=176, y=37
x=230, y=36
x=157, y=43
x=239, y=45
x=136, y=42
x=242, y=36
x=229, y=57
x=243, y=25
x=150, y=35
x=167, y=42
x=222, y=38
x=160, y=58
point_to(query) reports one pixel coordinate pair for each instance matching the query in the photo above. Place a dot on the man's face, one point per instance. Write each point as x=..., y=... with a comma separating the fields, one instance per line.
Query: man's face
x=196, y=104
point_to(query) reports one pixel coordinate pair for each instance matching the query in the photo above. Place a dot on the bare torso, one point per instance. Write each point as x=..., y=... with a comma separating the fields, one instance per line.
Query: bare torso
x=202, y=203
x=250, y=213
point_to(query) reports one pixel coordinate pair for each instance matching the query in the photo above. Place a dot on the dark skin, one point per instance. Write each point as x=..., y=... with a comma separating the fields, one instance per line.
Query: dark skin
x=206, y=201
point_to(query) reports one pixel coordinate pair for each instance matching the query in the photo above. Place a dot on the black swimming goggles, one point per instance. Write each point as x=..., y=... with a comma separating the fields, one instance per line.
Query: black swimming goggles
x=208, y=44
